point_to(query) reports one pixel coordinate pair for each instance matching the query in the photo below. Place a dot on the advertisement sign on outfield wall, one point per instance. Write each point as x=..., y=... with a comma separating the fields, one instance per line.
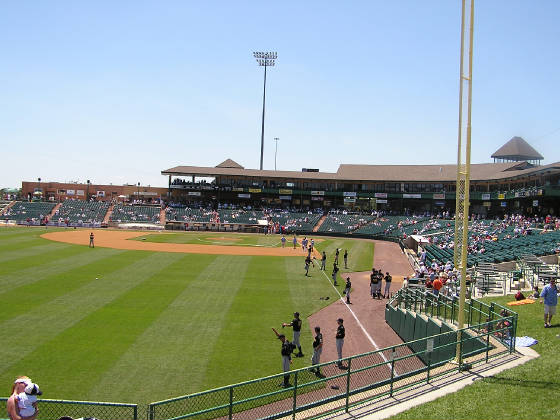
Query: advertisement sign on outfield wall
x=70, y=192
x=285, y=192
x=349, y=194
x=380, y=195
x=285, y=197
x=244, y=195
x=317, y=192
x=194, y=193
x=381, y=201
x=80, y=192
x=486, y=196
x=255, y=190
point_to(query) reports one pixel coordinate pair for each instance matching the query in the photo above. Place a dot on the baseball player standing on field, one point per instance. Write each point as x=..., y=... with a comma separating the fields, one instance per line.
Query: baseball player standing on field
x=317, y=350
x=286, y=353
x=347, y=290
x=296, y=325
x=340, y=334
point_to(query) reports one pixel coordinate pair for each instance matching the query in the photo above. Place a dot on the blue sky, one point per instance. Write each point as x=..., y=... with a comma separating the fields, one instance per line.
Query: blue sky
x=116, y=91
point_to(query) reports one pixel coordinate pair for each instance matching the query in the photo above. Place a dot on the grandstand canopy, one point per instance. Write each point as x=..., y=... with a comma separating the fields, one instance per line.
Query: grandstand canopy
x=516, y=150
x=391, y=173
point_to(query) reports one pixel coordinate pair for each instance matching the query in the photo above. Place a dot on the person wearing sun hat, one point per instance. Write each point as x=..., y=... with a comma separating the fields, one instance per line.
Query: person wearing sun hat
x=18, y=387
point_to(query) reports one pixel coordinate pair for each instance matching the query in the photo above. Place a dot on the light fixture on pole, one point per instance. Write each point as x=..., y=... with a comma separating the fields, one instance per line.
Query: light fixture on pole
x=265, y=59
x=275, y=151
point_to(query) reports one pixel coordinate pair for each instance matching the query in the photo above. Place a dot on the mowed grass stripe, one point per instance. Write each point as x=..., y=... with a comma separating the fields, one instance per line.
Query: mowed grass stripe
x=16, y=256
x=30, y=270
x=19, y=299
x=19, y=242
x=175, y=348
x=247, y=348
x=85, y=351
x=28, y=339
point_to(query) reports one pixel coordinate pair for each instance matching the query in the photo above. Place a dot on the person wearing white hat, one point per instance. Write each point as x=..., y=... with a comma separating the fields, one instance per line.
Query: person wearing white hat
x=12, y=404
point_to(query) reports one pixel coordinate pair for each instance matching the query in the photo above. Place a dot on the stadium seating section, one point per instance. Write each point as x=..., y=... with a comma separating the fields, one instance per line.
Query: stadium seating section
x=77, y=212
x=136, y=214
x=33, y=212
x=344, y=223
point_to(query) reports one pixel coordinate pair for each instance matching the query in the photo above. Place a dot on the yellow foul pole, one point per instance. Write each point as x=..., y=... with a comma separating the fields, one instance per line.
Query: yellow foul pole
x=463, y=161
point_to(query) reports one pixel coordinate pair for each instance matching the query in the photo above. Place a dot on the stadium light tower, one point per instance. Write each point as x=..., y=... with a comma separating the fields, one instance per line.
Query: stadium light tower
x=265, y=59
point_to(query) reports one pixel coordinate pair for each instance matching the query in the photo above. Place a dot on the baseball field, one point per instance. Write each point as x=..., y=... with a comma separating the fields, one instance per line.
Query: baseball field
x=131, y=323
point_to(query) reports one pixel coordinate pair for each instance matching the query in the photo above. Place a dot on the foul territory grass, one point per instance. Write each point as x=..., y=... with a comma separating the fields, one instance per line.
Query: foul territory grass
x=529, y=391
x=136, y=326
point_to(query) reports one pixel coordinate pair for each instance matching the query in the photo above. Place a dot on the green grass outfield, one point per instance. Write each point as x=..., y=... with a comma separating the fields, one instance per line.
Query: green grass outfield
x=529, y=391
x=138, y=326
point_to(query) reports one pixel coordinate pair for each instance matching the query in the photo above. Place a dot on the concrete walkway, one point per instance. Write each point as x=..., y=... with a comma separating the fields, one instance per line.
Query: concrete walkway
x=403, y=400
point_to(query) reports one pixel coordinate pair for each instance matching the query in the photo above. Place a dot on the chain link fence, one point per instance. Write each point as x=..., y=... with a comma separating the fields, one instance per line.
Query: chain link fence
x=54, y=409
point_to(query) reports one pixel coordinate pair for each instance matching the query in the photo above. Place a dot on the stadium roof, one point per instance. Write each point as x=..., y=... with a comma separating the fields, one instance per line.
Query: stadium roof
x=517, y=148
x=389, y=173
x=228, y=163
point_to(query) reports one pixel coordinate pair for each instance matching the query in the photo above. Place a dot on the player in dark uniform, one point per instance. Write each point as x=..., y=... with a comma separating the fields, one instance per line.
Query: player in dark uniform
x=345, y=258
x=335, y=273
x=374, y=281
x=336, y=256
x=347, y=289
x=340, y=334
x=324, y=261
x=286, y=353
x=91, y=244
x=388, y=280
x=296, y=325
x=317, y=350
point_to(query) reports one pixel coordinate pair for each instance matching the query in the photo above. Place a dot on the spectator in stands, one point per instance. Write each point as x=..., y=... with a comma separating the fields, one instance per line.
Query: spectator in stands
x=437, y=285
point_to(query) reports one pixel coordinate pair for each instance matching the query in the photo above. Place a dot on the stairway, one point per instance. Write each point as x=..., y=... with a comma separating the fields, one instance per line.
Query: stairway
x=53, y=212
x=108, y=215
x=319, y=223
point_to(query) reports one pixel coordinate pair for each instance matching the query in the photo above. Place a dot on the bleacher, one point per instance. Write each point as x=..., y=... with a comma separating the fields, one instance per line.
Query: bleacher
x=246, y=217
x=3, y=205
x=25, y=212
x=78, y=212
x=502, y=250
x=295, y=222
x=123, y=213
x=344, y=223
x=189, y=215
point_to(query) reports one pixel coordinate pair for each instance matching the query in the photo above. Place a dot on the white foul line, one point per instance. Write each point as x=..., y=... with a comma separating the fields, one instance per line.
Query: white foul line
x=373, y=343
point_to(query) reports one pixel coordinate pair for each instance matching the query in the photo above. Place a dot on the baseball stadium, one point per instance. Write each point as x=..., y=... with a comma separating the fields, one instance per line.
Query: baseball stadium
x=359, y=291
x=175, y=291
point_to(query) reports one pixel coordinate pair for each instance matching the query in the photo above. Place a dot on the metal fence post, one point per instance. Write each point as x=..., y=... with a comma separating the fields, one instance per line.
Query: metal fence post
x=392, y=370
x=230, y=414
x=348, y=385
x=295, y=395
x=135, y=412
x=150, y=412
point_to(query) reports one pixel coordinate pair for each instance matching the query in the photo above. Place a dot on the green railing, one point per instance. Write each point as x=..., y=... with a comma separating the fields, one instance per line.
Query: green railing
x=54, y=409
x=363, y=377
